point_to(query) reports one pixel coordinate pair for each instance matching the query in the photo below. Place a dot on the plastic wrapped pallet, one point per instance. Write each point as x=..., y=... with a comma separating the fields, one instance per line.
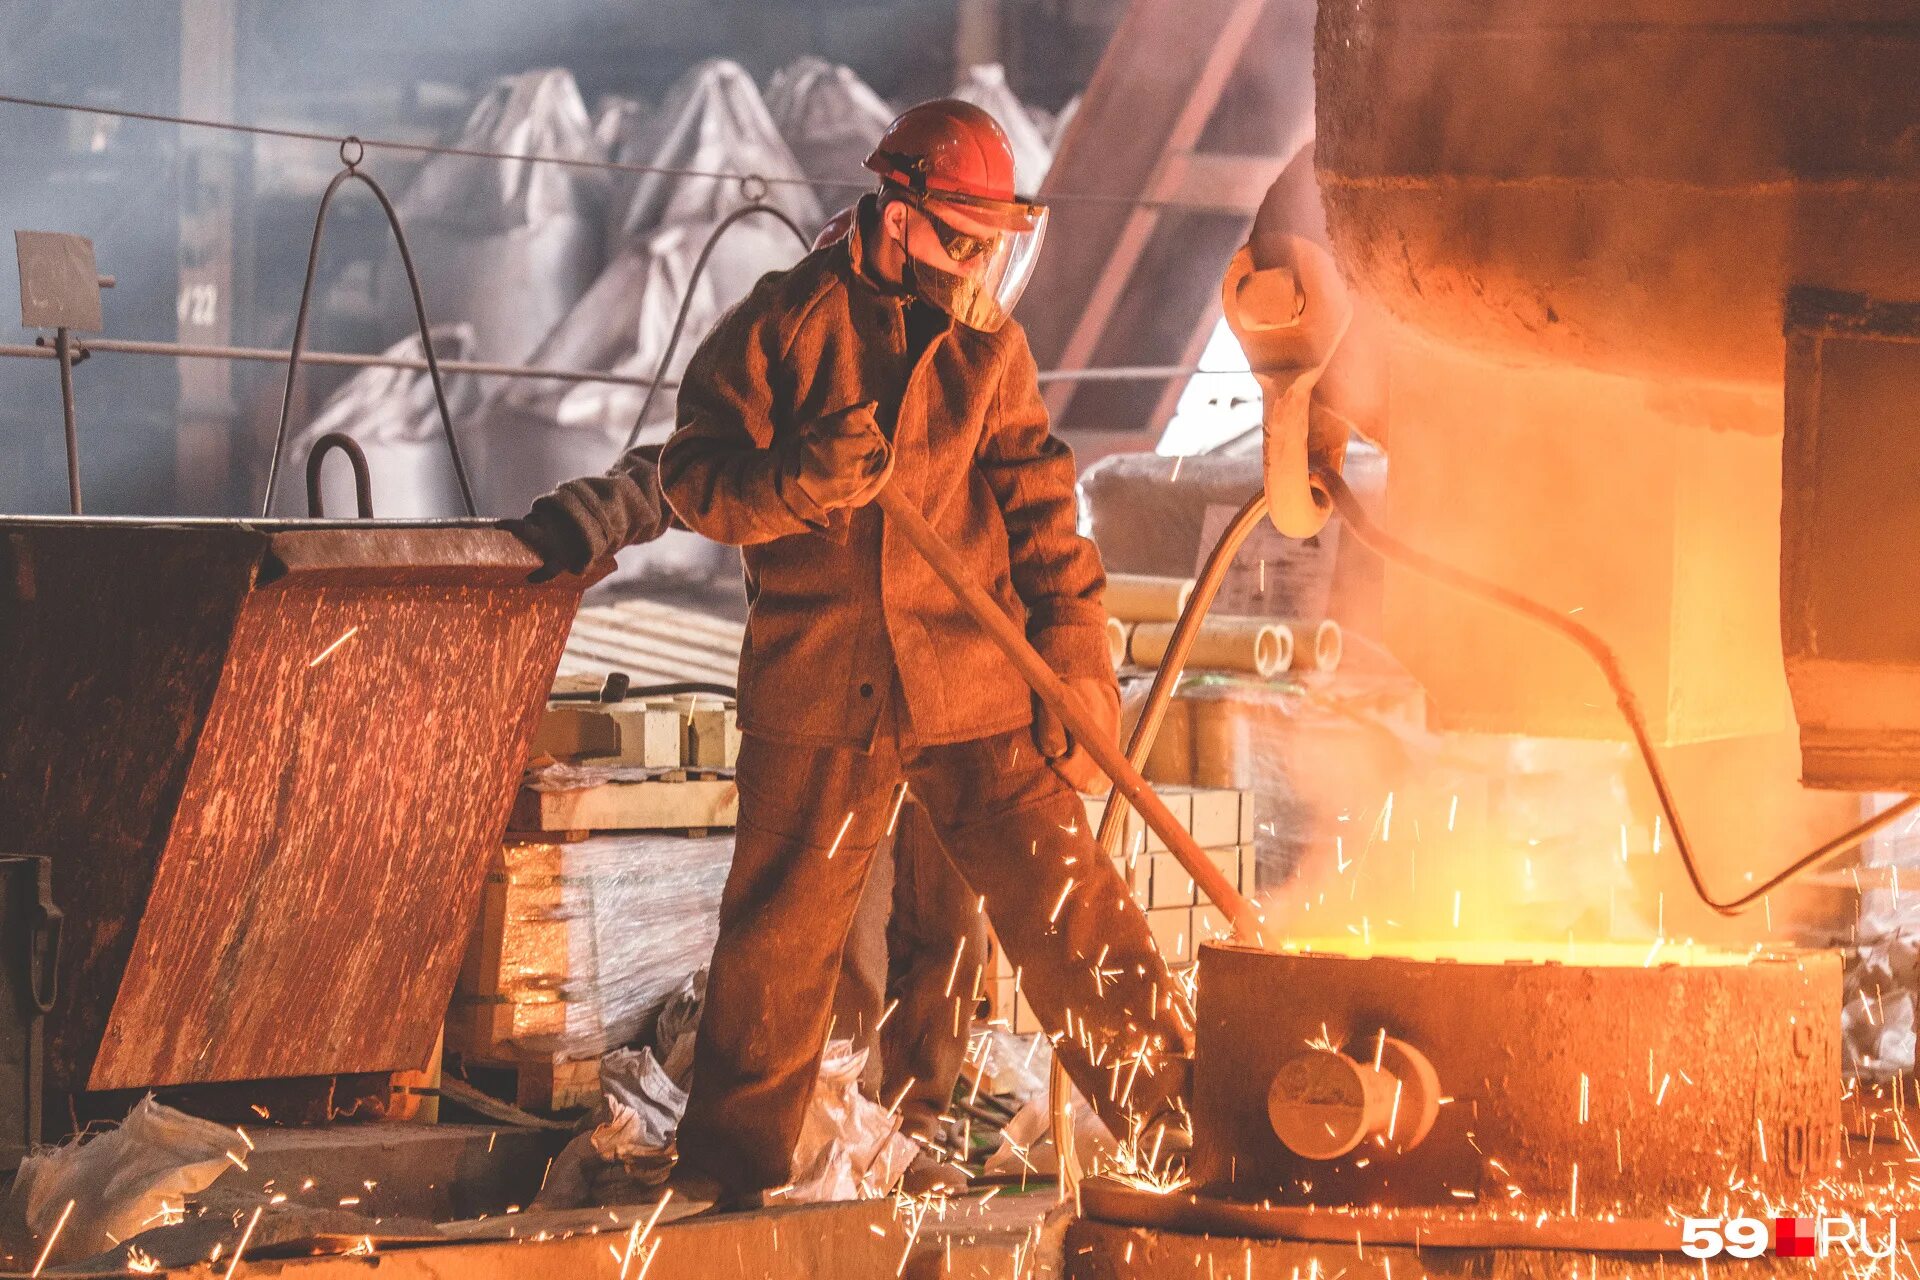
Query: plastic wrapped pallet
x=580, y=945
x=504, y=245
x=985, y=85
x=831, y=119
x=713, y=119
x=392, y=415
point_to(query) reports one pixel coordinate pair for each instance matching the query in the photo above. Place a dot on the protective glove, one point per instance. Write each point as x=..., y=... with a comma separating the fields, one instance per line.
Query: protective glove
x=559, y=545
x=1099, y=701
x=586, y=519
x=843, y=459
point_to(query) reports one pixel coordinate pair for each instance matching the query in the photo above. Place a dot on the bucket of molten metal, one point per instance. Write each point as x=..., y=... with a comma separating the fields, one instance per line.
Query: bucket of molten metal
x=1484, y=1095
x=267, y=760
x=1613, y=1080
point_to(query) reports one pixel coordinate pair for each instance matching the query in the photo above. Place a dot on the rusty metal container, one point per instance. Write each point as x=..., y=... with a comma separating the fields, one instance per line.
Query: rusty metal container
x=267, y=761
x=1630, y=185
x=1586, y=219
x=1580, y=1089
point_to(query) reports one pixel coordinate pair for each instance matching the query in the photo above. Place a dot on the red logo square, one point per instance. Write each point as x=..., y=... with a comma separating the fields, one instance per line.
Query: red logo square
x=1793, y=1237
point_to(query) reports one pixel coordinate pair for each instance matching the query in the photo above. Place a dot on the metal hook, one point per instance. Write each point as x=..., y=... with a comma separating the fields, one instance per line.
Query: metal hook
x=356, y=457
x=419, y=314
x=352, y=160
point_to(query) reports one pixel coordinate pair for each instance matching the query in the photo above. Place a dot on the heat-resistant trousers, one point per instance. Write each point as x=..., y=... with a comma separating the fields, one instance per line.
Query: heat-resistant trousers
x=810, y=819
x=908, y=986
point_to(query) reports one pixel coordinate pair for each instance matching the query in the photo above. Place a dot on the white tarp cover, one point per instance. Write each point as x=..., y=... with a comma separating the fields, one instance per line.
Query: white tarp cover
x=832, y=119
x=392, y=415
x=849, y=1147
x=122, y=1181
x=985, y=85
x=539, y=433
x=507, y=246
x=712, y=120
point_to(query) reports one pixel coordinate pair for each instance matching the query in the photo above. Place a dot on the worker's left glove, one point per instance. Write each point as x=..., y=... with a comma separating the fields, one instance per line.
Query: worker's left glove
x=1098, y=699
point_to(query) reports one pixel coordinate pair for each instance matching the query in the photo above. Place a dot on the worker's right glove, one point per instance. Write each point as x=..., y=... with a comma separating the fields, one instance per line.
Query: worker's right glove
x=841, y=460
x=1099, y=701
x=584, y=520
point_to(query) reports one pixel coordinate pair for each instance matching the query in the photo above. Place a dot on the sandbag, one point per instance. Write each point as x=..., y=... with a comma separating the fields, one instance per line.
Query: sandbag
x=713, y=119
x=504, y=245
x=831, y=118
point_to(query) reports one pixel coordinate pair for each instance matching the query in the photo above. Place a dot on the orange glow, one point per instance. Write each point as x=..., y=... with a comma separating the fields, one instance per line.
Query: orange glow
x=1604, y=955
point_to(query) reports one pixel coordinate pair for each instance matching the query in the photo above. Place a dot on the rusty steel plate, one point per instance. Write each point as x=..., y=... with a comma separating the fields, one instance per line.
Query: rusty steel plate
x=267, y=761
x=1584, y=1089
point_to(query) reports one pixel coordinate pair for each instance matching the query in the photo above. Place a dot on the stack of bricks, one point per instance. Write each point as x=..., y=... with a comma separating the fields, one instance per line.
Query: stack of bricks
x=1221, y=823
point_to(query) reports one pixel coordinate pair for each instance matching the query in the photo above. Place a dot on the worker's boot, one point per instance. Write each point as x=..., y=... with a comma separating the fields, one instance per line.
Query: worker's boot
x=697, y=1192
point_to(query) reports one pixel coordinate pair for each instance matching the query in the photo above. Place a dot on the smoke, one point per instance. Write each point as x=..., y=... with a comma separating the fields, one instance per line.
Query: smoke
x=408, y=69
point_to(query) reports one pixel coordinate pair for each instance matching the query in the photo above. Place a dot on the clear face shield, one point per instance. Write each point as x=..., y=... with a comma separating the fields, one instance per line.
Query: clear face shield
x=985, y=257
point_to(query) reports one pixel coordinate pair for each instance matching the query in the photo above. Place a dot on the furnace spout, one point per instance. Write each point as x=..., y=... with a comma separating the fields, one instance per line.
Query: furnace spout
x=1286, y=304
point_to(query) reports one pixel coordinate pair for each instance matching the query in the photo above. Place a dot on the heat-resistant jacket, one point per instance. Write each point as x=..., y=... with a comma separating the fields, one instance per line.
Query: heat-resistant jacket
x=838, y=601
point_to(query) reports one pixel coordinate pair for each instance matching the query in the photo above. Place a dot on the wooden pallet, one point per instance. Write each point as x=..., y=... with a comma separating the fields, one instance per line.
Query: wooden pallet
x=675, y=802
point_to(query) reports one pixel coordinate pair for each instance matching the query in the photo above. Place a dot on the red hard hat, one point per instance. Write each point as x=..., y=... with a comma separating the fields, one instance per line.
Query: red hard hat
x=946, y=147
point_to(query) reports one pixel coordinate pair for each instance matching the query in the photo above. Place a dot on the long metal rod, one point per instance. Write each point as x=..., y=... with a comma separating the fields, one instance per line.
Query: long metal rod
x=353, y=360
x=748, y=181
x=270, y=355
x=1039, y=676
x=1174, y=662
x=63, y=351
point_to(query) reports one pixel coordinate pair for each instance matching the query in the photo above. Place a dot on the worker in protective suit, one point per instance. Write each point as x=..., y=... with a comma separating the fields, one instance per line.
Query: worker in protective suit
x=913, y=968
x=890, y=357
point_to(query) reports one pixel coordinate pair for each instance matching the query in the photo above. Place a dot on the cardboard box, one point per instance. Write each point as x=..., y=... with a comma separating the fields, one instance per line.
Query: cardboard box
x=1169, y=884
x=713, y=737
x=1216, y=818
